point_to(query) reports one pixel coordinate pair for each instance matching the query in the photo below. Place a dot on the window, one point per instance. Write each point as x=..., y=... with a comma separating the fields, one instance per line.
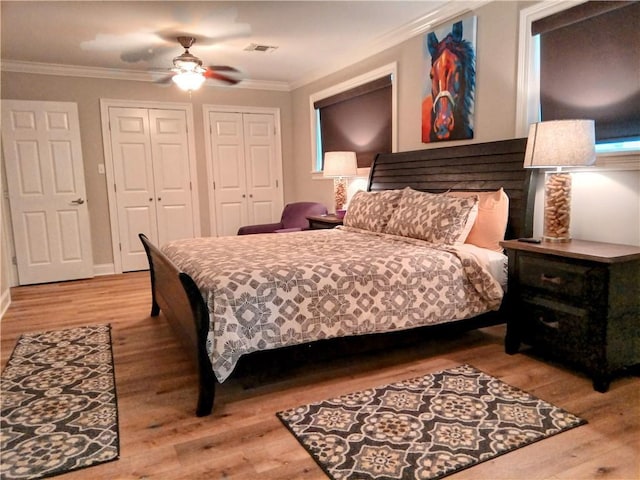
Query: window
x=358, y=115
x=594, y=46
x=358, y=120
x=571, y=47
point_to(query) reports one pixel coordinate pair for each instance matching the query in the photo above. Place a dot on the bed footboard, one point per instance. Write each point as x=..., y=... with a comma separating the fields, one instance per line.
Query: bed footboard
x=176, y=294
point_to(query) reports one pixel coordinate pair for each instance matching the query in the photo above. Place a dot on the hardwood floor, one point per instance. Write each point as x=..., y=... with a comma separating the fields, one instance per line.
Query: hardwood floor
x=160, y=437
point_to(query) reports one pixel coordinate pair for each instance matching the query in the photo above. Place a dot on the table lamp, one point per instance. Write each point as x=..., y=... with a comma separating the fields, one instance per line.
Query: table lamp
x=557, y=144
x=340, y=166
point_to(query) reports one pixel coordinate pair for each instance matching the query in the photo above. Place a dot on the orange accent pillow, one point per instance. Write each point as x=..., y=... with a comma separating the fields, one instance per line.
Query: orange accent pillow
x=491, y=223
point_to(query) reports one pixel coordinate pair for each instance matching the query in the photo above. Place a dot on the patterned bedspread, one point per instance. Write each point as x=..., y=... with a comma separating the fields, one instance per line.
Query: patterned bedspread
x=271, y=290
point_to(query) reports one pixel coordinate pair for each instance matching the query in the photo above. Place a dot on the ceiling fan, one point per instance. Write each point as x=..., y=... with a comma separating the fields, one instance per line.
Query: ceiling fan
x=188, y=72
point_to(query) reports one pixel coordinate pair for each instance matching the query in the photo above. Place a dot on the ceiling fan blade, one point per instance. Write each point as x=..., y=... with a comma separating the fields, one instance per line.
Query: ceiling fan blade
x=224, y=23
x=138, y=55
x=145, y=54
x=222, y=68
x=164, y=80
x=134, y=47
x=219, y=76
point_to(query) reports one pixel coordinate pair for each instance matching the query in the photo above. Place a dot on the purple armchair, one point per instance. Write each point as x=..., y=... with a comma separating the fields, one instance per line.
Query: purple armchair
x=294, y=219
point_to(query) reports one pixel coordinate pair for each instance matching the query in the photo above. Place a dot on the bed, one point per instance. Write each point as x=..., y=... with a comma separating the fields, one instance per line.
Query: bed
x=381, y=272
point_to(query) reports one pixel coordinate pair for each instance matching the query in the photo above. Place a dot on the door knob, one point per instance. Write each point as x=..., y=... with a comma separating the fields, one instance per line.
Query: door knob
x=79, y=201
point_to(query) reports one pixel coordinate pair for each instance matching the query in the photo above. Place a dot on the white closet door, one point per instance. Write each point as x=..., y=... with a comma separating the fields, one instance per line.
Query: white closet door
x=45, y=176
x=262, y=177
x=246, y=170
x=134, y=183
x=172, y=178
x=227, y=146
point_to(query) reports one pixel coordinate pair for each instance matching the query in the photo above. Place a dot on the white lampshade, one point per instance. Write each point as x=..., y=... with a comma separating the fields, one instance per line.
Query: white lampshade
x=560, y=143
x=340, y=164
x=189, y=80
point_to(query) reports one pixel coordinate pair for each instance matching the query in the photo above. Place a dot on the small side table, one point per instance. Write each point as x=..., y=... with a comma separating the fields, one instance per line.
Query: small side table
x=317, y=222
x=577, y=302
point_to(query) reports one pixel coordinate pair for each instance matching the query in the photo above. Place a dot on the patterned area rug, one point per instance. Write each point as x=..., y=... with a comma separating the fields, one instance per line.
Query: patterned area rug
x=423, y=428
x=59, y=409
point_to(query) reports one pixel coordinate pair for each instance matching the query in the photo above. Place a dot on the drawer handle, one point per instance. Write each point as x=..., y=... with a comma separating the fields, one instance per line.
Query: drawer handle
x=554, y=325
x=553, y=280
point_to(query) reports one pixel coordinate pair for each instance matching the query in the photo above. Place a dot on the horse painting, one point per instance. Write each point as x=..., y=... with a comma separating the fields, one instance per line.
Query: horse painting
x=447, y=111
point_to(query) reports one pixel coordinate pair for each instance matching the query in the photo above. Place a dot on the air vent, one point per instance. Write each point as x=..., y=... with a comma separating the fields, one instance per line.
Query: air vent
x=254, y=47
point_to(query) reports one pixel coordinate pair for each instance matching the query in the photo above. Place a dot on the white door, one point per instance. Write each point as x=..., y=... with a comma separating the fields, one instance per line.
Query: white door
x=152, y=178
x=246, y=172
x=133, y=183
x=262, y=178
x=172, y=178
x=230, y=185
x=45, y=177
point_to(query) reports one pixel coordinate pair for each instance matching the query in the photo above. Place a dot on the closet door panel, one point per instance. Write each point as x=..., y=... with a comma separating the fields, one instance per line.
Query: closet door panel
x=152, y=177
x=245, y=169
x=134, y=183
x=229, y=173
x=172, y=177
x=262, y=177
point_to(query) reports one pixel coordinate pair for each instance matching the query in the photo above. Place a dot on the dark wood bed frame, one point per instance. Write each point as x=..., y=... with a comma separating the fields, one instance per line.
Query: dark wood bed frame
x=480, y=167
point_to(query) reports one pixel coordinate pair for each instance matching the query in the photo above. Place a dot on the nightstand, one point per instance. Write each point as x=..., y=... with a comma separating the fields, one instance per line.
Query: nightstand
x=323, y=221
x=577, y=302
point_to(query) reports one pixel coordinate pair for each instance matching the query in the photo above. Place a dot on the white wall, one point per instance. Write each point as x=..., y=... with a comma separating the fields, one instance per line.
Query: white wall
x=605, y=206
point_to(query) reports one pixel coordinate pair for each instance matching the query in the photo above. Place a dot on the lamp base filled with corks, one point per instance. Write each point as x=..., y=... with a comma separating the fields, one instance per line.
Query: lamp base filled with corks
x=557, y=207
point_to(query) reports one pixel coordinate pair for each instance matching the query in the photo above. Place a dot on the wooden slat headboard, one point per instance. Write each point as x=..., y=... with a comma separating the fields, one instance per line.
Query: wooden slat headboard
x=477, y=167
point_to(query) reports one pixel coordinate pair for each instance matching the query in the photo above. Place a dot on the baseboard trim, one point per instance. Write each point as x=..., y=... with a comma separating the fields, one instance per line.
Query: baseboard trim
x=104, y=269
x=5, y=301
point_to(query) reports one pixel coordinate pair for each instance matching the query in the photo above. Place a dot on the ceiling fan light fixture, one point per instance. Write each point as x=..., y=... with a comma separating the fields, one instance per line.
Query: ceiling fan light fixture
x=188, y=80
x=188, y=72
x=190, y=63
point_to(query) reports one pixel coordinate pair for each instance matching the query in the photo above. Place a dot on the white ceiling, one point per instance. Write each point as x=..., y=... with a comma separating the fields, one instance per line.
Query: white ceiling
x=314, y=38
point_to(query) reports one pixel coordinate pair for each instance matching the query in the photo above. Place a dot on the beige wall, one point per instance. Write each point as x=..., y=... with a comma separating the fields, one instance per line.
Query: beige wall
x=606, y=204
x=87, y=92
x=495, y=106
x=495, y=113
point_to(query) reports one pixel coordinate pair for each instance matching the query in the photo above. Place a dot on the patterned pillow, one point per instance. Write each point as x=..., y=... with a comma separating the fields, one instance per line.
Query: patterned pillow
x=434, y=218
x=372, y=210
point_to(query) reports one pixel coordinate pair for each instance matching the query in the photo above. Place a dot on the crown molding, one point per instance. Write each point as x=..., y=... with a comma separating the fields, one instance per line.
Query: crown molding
x=74, y=71
x=445, y=12
x=448, y=11
x=264, y=85
x=119, y=74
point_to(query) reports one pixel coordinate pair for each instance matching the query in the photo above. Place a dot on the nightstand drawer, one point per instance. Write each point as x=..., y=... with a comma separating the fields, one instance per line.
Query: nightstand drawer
x=557, y=278
x=558, y=329
x=578, y=301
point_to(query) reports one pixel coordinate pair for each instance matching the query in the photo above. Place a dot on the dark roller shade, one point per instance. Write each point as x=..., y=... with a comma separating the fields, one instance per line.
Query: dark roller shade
x=358, y=120
x=590, y=67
